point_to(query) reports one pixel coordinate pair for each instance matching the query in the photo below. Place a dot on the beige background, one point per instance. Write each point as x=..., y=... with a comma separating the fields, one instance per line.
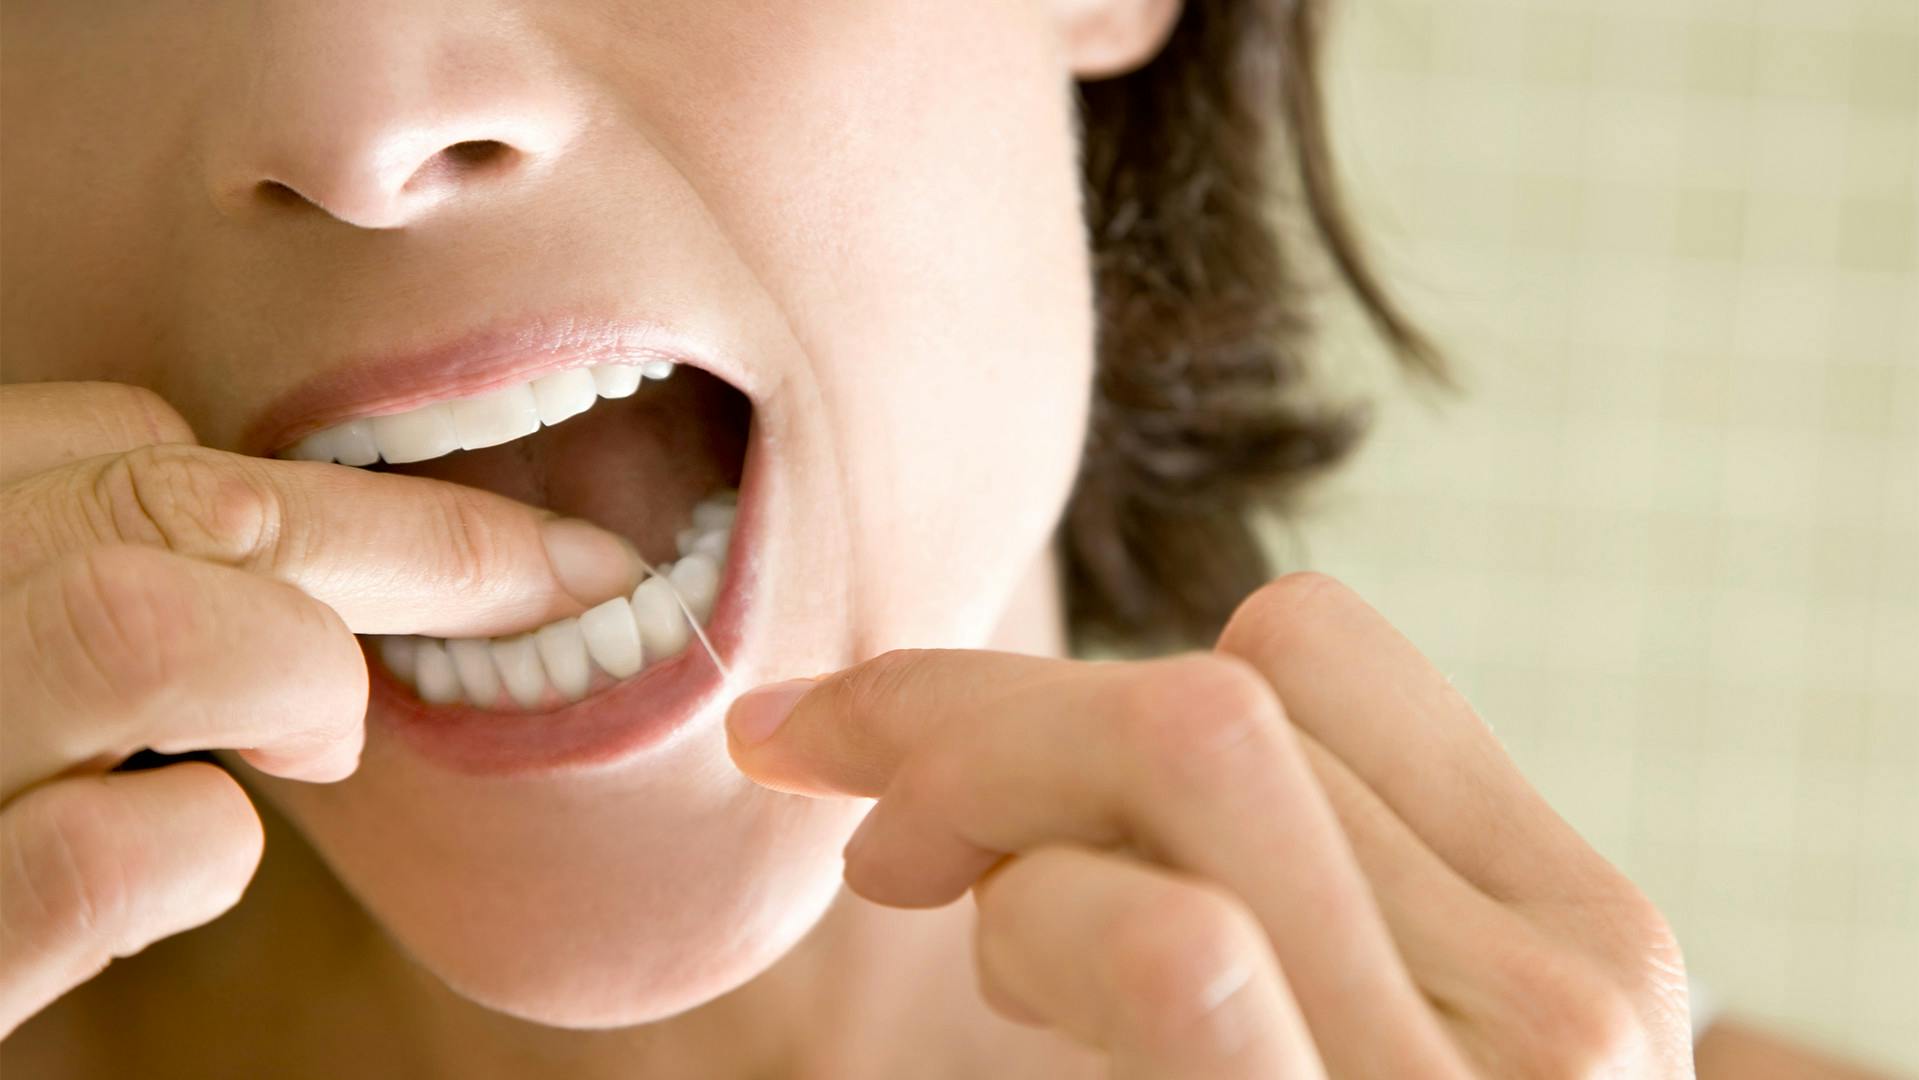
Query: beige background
x=1669, y=538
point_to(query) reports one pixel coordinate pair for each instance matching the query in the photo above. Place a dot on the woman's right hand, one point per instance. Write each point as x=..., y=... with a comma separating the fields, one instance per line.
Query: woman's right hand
x=157, y=594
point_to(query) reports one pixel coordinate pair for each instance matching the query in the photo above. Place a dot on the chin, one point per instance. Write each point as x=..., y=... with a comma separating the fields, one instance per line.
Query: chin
x=621, y=898
x=618, y=969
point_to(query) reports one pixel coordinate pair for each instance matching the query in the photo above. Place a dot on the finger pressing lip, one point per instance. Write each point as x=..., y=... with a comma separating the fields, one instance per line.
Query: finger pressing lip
x=391, y=554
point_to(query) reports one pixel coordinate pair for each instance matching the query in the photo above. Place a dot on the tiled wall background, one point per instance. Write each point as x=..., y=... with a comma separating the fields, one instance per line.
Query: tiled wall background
x=1668, y=540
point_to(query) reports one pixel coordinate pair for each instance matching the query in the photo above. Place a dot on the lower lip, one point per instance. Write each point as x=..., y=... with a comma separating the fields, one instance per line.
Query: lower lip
x=624, y=721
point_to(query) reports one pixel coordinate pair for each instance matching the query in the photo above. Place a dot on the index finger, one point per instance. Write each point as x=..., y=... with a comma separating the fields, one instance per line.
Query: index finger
x=391, y=554
x=1358, y=686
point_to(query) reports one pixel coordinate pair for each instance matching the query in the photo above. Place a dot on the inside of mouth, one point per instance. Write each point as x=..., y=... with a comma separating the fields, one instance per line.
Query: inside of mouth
x=659, y=468
x=635, y=466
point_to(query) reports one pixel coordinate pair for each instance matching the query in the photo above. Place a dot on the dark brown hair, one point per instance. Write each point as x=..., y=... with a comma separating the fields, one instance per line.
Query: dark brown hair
x=1210, y=193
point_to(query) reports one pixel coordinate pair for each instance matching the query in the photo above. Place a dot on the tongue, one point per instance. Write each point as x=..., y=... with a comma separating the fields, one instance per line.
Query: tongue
x=636, y=466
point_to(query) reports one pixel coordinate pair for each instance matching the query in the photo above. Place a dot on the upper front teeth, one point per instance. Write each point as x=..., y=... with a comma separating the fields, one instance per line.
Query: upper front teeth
x=489, y=419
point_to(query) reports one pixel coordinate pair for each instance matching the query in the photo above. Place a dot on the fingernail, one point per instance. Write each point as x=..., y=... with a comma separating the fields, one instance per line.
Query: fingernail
x=759, y=712
x=591, y=564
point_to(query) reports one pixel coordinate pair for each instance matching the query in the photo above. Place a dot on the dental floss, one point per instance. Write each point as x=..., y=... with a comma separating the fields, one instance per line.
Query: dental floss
x=698, y=630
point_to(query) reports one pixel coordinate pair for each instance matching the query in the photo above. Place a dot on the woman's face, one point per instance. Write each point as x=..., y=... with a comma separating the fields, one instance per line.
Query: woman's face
x=863, y=213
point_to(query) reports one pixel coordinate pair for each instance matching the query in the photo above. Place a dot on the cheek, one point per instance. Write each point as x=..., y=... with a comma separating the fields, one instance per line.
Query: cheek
x=89, y=167
x=902, y=177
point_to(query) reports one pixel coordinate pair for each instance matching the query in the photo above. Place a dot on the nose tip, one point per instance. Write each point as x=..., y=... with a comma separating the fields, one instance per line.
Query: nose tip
x=387, y=184
x=378, y=115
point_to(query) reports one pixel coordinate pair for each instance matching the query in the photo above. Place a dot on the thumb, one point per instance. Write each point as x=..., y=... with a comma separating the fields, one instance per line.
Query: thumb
x=847, y=732
x=753, y=724
x=99, y=867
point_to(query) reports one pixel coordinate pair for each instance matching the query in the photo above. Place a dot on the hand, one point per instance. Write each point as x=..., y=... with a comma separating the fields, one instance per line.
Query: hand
x=1300, y=854
x=140, y=575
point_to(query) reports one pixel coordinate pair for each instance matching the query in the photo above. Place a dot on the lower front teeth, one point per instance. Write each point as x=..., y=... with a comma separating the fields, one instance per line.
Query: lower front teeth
x=556, y=663
x=519, y=664
x=473, y=662
x=613, y=638
x=656, y=614
x=563, y=655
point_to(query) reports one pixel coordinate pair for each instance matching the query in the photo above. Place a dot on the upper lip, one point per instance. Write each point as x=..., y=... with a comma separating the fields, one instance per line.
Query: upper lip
x=496, y=355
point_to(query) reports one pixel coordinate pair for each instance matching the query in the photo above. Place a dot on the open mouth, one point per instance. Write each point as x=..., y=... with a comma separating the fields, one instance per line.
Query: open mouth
x=652, y=450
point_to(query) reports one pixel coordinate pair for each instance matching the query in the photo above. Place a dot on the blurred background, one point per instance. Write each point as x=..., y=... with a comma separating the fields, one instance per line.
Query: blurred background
x=1668, y=537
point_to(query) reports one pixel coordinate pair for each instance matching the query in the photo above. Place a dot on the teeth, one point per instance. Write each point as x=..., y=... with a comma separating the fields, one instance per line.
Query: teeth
x=612, y=638
x=563, y=652
x=657, y=615
x=415, y=436
x=713, y=546
x=350, y=443
x=438, y=683
x=397, y=654
x=561, y=660
x=564, y=394
x=479, y=678
x=492, y=419
x=697, y=577
x=714, y=516
x=489, y=419
x=712, y=525
x=355, y=445
x=519, y=662
x=616, y=380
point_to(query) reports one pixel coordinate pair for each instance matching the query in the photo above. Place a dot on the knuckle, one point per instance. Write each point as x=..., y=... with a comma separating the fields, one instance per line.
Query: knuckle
x=883, y=677
x=191, y=500
x=1182, y=958
x=1643, y=951
x=876, y=685
x=1602, y=1037
x=1189, y=717
x=474, y=548
x=1643, y=926
x=1577, y=1021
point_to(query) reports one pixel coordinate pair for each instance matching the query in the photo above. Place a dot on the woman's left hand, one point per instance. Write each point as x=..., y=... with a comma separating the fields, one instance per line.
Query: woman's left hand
x=1299, y=854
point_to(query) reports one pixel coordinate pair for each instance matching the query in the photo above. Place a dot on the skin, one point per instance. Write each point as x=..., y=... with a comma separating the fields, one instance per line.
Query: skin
x=1296, y=853
x=755, y=175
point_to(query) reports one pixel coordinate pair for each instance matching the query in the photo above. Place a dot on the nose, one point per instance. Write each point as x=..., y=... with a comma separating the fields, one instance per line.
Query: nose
x=379, y=113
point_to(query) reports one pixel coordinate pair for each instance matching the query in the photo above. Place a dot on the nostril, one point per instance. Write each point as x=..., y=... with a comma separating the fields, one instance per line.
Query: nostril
x=478, y=153
x=278, y=194
x=371, y=199
x=461, y=162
